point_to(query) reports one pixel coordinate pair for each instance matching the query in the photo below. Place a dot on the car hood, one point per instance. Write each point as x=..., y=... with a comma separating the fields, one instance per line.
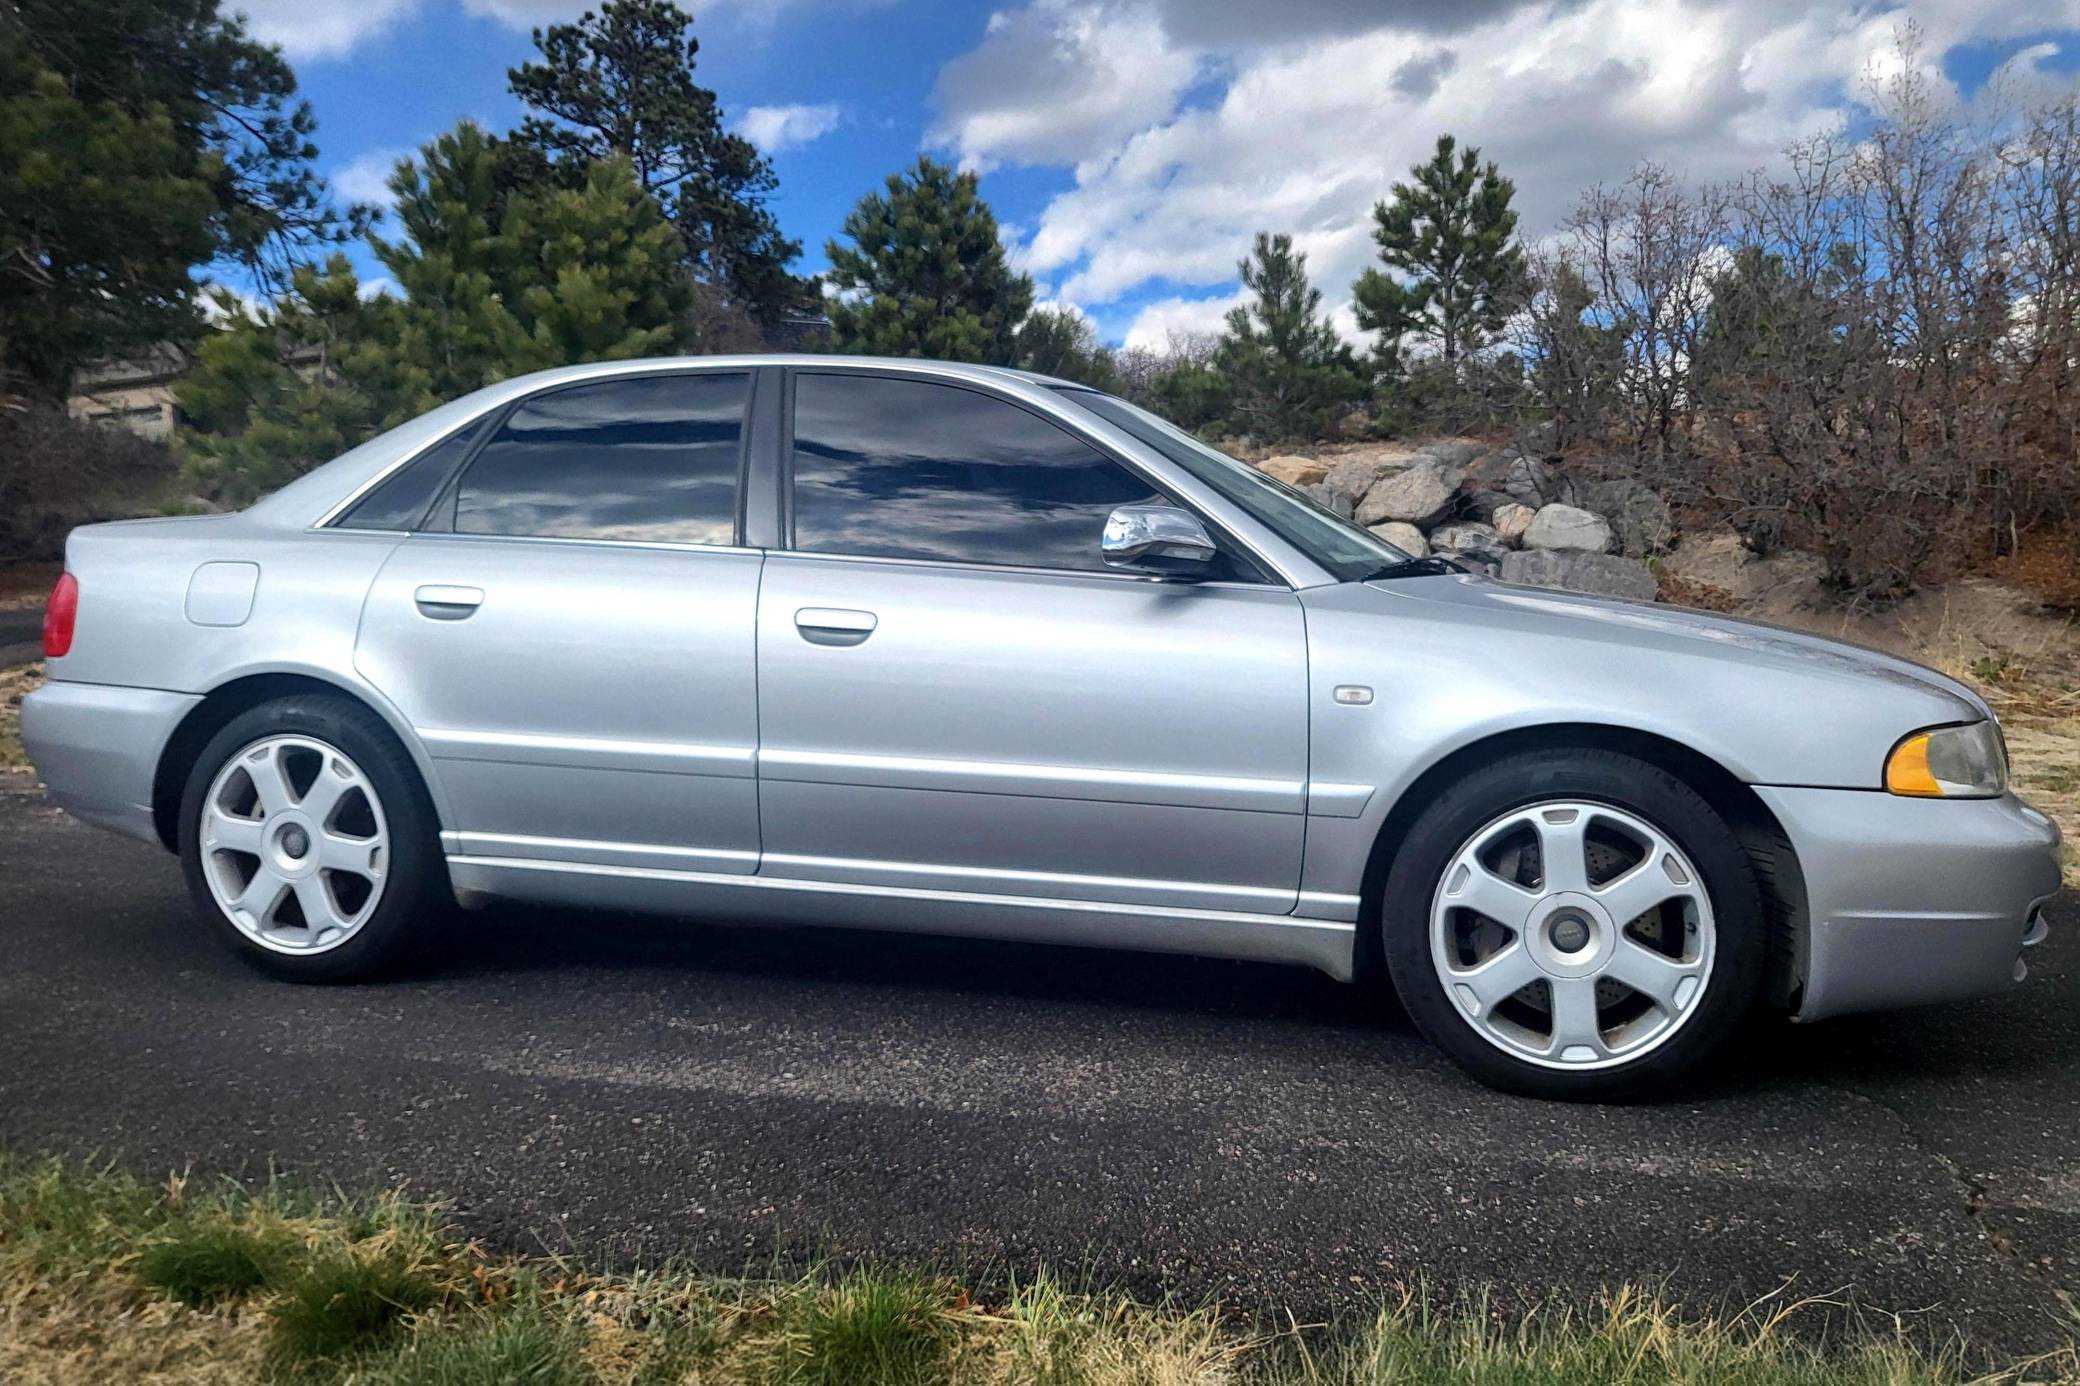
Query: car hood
x=1648, y=626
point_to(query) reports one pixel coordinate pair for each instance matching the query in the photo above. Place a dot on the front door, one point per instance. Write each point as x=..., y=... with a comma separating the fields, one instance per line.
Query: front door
x=956, y=693
x=572, y=633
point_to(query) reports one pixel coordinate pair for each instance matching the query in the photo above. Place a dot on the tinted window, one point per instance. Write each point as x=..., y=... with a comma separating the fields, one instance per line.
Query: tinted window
x=653, y=458
x=402, y=498
x=907, y=469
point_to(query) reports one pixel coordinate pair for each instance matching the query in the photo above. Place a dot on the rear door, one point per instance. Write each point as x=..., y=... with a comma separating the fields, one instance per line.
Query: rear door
x=570, y=628
x=956, y=693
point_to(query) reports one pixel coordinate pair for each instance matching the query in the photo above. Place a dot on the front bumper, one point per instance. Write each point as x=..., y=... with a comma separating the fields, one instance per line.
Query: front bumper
x=1914, y=900
x=96, y=748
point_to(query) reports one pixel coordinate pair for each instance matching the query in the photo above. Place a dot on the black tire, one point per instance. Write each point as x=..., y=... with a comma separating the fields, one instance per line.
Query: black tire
x=415, y=891
x=1596, y=776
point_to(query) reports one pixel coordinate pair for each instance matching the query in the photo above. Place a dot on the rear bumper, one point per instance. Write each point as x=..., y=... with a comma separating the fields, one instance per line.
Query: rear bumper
x=96, y=748
x=1914, y=900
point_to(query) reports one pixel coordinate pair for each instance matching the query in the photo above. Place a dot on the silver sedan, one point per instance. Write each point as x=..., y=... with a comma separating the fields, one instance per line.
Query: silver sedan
x=901, y=645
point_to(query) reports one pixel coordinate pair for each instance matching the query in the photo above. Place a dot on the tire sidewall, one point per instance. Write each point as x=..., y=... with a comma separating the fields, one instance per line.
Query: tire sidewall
x=1623, y=782
x=416, y=876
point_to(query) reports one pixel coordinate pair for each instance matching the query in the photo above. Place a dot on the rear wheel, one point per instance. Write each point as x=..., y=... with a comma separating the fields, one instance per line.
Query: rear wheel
x=307, y=839
x=1575, y=924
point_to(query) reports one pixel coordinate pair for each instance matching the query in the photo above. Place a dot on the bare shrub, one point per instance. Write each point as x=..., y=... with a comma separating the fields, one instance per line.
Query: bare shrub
x=57, y=472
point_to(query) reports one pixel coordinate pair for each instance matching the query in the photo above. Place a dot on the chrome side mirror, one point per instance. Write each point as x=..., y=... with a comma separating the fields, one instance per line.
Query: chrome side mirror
x=1155, y=534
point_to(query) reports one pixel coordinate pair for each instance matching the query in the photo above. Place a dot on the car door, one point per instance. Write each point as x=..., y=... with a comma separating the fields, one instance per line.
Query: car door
x=571, y=629
x=956, y=693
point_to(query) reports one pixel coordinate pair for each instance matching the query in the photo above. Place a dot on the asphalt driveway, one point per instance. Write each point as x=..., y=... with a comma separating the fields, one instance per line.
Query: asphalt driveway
x=633, y=1088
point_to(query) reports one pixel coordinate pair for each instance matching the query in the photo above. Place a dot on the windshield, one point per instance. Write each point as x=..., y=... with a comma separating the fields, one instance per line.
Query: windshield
x=1351, y=554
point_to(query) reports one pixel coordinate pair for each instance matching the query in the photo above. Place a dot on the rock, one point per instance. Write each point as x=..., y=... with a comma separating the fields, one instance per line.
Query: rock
x=1331, y=497
x=1454, y=452
x=1560, y=526
x=1422, y=495
x=1482, y=505
x=1721, y=571
x=1403, y=536
x=1469, y=543
x=1354, y=473
x=1600, y=574
x=1511, y=520
x=1530, y=481
x=1639, y=517
x=1294, y=471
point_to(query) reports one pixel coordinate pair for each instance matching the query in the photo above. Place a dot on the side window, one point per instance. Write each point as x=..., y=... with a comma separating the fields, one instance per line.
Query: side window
x=894, y=468
x=651, y=458
x=400, y=501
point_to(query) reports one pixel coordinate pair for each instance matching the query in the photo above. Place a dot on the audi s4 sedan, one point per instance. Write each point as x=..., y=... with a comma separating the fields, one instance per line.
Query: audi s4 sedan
x=904, y=645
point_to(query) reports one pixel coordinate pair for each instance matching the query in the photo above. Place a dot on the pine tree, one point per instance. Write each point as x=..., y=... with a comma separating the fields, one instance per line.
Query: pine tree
x=1064, y=344
x=494, y=283
x=1287, y=370
x=925, y=274
x=622, y=82
x=139, y=141
x=1449, y=235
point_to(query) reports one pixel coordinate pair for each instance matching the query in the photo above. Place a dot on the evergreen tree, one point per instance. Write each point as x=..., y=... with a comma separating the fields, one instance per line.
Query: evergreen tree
x=622, y=82
x=1287, y=370
x=139, y=140
x=494, y=284
x=925, y=274
x=1064, y=344
x=1449, y=235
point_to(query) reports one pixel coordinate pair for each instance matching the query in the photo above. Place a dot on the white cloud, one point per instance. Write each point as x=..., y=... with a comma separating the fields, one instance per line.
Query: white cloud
x=774, y=128
x=310, y=30
x=1157, y=322
x=365, y=178
x=1319, y=106
x=1055, y=80
x=382, y=286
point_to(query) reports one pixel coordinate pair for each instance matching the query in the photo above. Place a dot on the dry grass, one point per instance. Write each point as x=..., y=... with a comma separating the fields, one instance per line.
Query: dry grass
x=383, y=1293
x=15, y=684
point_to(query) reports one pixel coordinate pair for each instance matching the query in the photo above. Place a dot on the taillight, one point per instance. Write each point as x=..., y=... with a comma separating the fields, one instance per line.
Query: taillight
x=58, y=615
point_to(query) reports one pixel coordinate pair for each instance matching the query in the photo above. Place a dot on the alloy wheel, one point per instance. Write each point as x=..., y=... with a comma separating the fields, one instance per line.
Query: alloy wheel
x=294, y=844
x=1572, y=935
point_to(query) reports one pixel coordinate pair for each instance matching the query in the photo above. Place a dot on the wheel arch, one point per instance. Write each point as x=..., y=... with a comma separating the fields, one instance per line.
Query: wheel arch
x=1769, y=848
x=238, y=695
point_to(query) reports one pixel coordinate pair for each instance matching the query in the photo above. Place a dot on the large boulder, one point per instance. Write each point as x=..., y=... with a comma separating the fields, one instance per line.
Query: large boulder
x=1600, y=574
x=1475, y=545
x=1639, y=517
x=1422, y=495
x=1720, y=571
x=1356, y=472
x=1511, y=520
x=1330, y=497
x=1454, y=452
x=1533, y=481
x=1403, y=536
x=1294, y=471
x=1559, y=526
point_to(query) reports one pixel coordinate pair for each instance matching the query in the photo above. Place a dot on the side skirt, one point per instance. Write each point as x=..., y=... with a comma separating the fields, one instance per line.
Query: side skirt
x=1325, y=945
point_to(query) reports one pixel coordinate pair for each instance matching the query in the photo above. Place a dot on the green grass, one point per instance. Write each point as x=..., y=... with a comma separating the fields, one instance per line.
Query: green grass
x=204, y=1260
x=106, y=1278
x=347, y=1300
x=871, y=1328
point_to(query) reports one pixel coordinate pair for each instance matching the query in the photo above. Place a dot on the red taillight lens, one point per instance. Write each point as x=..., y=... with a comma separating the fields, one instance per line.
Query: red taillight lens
x=58, y=615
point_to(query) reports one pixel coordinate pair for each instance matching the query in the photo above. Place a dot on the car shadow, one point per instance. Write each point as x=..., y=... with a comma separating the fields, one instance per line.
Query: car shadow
x=504, y=939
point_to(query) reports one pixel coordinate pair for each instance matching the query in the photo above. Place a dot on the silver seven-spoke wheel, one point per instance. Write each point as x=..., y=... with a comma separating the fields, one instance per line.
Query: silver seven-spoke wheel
x=1572, y=935
x=294, y=844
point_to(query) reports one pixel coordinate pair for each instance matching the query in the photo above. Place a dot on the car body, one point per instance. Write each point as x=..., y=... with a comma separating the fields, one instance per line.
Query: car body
x=870, y=670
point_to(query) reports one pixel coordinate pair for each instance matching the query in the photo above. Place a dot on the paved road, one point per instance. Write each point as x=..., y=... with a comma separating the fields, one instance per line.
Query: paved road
x=21, y=635
x=638, y=1088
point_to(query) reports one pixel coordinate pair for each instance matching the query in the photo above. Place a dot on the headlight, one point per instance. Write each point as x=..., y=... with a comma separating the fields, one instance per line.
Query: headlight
x=1969, y=762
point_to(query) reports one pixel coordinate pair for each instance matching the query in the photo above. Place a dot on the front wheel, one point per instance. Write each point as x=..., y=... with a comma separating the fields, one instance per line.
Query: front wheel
x=1576, y=924
x=307, y=839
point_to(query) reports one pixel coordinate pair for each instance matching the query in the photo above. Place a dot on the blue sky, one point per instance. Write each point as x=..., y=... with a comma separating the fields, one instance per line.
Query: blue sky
x=1132, y=147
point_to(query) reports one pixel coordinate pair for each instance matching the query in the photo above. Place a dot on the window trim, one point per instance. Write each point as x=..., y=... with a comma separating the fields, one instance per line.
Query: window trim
x=1270, y=576
x=439, y=515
